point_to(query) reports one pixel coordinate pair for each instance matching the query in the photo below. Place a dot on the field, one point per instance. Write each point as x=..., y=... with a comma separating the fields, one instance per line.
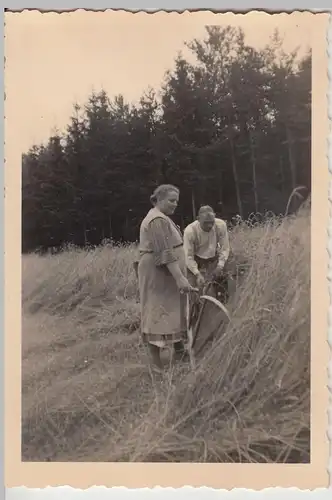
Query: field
x=88, y=394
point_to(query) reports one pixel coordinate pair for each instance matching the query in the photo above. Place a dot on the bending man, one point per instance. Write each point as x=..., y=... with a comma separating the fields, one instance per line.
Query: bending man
x=206, y=246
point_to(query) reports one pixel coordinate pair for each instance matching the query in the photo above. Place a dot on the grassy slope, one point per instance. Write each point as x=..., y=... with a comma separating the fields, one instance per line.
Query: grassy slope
x=88, y=395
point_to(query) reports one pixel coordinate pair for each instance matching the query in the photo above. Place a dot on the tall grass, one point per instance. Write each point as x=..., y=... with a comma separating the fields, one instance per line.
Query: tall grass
x=88, y=394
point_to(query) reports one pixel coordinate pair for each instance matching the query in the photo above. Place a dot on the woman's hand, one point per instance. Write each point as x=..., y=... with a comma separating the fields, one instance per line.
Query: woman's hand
x=184, y=286
x=180, y=279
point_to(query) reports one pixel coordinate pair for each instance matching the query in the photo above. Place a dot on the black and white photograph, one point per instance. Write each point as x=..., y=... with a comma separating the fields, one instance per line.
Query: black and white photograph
x=166, y=200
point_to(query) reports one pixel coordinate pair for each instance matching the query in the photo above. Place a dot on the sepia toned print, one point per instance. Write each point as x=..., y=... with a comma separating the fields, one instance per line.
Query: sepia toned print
x=172, y=215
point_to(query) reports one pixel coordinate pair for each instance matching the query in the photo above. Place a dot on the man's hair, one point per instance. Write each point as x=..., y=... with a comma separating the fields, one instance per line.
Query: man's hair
x=206, y=209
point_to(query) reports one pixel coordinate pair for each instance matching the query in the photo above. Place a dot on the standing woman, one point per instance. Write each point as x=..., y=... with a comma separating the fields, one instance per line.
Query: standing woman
x=162, y=276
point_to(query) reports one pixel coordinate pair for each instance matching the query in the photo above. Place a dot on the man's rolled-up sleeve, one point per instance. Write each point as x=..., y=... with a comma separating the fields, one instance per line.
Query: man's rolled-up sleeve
x=189, y=249
x=224, y=246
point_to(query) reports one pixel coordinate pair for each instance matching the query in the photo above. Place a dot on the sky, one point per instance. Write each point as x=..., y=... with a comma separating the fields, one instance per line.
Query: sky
x=54, y=60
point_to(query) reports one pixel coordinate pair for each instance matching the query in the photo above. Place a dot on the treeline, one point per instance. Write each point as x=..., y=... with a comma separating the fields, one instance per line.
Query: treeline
x=231, y=127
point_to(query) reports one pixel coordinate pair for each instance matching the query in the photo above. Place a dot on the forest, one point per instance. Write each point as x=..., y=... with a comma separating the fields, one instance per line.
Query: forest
x=230, y=126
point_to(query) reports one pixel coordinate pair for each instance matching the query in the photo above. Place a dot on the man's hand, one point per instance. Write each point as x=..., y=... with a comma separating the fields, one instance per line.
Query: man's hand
x=219, y=270
x=200, y=280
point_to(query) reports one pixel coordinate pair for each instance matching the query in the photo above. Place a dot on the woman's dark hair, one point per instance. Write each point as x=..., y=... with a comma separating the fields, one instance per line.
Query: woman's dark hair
x=161, y=191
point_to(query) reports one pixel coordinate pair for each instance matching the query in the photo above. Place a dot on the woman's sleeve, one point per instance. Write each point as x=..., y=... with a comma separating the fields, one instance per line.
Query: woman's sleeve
x=161, y=236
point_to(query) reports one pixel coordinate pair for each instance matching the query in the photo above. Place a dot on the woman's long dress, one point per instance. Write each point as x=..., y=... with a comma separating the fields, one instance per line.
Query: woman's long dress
x=163, y=308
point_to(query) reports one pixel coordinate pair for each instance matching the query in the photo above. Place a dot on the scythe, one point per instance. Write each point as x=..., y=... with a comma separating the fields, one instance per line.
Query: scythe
x=198, y=332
